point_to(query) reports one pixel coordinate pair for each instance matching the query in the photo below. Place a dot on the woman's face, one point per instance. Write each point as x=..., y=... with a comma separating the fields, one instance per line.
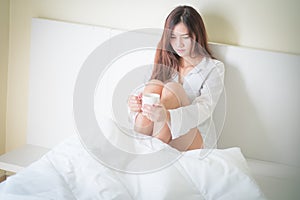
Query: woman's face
x=180, y=40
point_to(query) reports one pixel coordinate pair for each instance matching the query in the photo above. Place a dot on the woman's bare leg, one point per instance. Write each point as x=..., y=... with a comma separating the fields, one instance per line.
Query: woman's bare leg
x=189, y=141
x=171, y=98
x=143, y=124
x=174, y=96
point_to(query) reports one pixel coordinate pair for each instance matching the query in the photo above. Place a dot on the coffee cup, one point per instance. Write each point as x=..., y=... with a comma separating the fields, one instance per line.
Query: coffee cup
x=150, y=99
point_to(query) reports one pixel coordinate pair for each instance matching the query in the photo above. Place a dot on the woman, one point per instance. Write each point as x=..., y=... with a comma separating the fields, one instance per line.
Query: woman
x=189, y=82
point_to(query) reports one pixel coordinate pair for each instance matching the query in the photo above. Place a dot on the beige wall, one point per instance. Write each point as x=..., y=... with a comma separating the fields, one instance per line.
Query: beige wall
x=264, y=24
x=4, y=34
x=261, y=24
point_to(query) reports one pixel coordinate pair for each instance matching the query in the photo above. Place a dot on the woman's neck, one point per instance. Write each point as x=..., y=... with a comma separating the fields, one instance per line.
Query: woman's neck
x=190, y=61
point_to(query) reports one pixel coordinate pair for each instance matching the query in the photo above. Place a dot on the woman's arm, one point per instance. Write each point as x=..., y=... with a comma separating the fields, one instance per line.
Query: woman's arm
x=184, y=118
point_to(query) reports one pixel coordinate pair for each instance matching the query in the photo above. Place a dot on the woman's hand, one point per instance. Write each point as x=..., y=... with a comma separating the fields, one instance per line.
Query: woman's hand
x=156, y=113
x=135, y=103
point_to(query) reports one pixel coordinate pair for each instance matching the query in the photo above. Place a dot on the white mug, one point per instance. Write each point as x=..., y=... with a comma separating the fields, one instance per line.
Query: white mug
x=150, y=99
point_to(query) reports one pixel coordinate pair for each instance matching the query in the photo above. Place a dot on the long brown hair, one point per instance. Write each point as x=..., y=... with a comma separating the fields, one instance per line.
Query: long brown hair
x=167, y=61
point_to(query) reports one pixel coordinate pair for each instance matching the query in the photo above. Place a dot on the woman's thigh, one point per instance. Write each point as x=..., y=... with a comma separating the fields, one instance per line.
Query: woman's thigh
x=174, y=96
x=189, y=141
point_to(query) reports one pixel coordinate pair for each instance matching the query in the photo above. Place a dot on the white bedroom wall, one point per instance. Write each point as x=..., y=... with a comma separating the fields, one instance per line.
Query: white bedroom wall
x=4, y=34
x=252, y=23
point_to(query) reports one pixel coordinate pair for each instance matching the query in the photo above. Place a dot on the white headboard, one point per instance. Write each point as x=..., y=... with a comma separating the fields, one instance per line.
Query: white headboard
x=262, y=91
x=263, y=103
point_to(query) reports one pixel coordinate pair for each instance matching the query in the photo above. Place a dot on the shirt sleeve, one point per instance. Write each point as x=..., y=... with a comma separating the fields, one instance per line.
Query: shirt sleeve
x=184, y=118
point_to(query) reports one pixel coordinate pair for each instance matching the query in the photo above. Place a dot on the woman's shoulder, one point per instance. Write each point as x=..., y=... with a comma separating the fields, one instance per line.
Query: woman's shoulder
x=214, y=63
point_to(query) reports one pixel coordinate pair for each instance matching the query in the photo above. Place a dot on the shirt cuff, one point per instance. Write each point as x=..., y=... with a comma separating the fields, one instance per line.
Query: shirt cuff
x=175, y=122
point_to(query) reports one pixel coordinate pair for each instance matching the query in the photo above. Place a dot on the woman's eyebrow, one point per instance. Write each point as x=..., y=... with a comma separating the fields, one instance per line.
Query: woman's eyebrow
x=184, y=34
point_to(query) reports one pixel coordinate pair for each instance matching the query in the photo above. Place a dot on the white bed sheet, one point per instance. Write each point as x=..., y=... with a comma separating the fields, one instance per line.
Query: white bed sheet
x=68, y=171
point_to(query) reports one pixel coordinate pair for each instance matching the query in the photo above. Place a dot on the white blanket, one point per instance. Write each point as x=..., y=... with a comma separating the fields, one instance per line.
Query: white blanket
x=68, y=171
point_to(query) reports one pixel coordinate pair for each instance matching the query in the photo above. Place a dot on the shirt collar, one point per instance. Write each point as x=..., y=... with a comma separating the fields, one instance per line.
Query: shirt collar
x=199, y=66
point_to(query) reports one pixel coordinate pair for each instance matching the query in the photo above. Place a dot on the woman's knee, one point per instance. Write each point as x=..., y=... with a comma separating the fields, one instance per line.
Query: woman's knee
x=174, y=92
x=154, y=86
x=173, y=87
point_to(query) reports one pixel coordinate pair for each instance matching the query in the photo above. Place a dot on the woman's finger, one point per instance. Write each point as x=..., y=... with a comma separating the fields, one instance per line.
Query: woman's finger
x=147, y=108
x=134, y=100
x=140, y=95
x=135, y=107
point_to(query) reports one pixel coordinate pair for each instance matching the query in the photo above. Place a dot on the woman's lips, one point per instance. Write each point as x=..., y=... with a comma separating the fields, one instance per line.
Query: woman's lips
x=180, y=50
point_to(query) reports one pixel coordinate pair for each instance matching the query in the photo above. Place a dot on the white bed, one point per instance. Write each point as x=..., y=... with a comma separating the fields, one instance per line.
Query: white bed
x=253, y=161
x=69, y=172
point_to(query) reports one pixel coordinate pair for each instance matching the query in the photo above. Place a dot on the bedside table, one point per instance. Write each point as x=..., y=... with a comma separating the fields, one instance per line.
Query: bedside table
x=18, y=159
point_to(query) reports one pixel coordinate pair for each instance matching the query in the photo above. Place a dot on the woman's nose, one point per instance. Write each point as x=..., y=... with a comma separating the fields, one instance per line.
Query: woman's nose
x=179, y=42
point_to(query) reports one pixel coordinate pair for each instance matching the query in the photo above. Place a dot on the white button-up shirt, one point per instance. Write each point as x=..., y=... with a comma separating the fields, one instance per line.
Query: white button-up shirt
x=203, y=85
